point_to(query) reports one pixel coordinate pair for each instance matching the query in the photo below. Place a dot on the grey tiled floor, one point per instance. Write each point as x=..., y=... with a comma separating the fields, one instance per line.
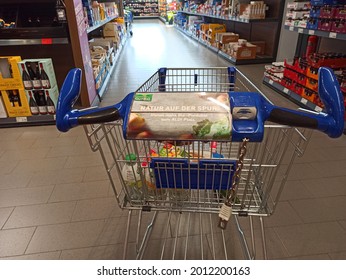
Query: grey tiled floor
x=56, y=201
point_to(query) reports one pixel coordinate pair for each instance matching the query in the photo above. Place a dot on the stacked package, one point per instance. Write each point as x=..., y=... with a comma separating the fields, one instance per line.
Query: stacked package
x=254, y=10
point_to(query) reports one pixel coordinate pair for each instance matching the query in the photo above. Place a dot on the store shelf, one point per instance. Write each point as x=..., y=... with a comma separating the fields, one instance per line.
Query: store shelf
x=296, y=98
x=27, y=121
x=146, y=17
x=230, y=18
x=320, y=33
x=104, y=87
x=42, y=41
x=258, y=59
x=100, y=24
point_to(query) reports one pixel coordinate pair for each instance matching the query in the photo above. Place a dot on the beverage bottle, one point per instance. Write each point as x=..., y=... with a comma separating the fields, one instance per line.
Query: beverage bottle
x=30, y=22
x=33, y=105
x=37, y=79
x=41, y=102
x=61, y=11
x=15, y=98
x=11, y=97
x=312, y=45
x=131, y=176
x=38, y=22
x=26, y=79
x=44, y=78
x=50, y=104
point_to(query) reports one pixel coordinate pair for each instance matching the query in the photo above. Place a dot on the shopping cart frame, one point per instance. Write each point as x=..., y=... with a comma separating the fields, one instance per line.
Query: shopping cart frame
x=264, y=168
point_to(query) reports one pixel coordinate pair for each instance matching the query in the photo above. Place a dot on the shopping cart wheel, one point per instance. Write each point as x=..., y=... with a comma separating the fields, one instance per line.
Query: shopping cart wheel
x=131, y=33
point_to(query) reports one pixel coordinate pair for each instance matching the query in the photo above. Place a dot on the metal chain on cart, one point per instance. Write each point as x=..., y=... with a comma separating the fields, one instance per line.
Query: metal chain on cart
x=226, y=208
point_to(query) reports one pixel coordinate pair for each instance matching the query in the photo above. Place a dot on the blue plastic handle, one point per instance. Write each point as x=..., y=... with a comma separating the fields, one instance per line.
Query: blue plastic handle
x=67, y=118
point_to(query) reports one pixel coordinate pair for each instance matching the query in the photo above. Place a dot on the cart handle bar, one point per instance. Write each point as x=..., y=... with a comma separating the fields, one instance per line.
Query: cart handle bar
x=331, y=122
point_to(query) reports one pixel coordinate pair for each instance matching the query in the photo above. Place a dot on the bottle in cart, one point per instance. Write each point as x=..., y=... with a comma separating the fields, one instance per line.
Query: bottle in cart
x=50, y=104
x=44, y=78
x=131, y=176
x=33, y=105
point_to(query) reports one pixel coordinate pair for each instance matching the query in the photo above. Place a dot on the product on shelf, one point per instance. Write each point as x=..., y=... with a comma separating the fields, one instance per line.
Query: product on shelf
x=11, y=87
x=329, y=16
x=254, y=10
x=301, y=76
x=224, y=38
x=40, y=72
x=15, y=102
x=143, y=8
x=96, y=12
x=10, y=76
x=60, y=11
x=40, y=85
x=260, y=47
x=241, y=49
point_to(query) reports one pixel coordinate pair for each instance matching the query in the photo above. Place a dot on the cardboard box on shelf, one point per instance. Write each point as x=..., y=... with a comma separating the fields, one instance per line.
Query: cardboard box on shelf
x=10, y=76
x=110, y=29
x=260, y=46
x=299, y=5
x=243, y=52
x=16, y=103
x=106, y=43
x=254, y=10
x=227, y=37
x=41, y=73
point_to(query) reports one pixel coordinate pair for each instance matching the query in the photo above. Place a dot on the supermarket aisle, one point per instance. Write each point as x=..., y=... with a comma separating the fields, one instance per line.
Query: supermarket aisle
x=56, y=201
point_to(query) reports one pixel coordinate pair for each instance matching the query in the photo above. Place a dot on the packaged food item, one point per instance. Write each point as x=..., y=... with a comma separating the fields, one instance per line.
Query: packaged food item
x=131, y=176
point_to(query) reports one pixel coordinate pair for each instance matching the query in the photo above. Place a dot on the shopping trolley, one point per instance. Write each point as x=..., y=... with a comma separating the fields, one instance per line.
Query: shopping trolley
x=231, y=163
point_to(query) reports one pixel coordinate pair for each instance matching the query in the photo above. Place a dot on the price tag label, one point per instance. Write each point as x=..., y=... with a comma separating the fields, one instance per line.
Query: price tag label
x=291, y=28
x=332, y=35
x=21, y=119
x=285, y=90
x=311, y=32
x=318, y=109
x=304, y=101
x=300, y=30
x=54, y=117
x=271, y=82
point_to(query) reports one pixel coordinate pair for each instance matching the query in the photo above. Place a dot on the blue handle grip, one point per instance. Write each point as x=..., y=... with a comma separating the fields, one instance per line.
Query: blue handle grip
x=67, y=118
x=331, y=122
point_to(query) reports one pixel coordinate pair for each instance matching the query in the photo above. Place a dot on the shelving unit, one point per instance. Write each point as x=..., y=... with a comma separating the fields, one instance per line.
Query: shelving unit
x=304, y=33
x=296, y=98
x=101, y=24
x=145, y=8
x=329, y=41
x=259, y=59
x=104, y=86
x=320, y=33
x=67, y=45
x=267, y=30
